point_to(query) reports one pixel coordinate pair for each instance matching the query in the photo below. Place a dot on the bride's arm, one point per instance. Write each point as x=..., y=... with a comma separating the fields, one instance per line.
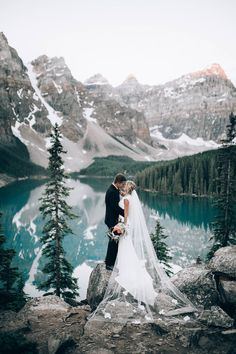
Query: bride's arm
x=126, y=210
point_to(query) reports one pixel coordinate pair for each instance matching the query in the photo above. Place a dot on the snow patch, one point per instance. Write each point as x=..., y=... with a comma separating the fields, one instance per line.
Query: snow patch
x=87, y=114
x=52, y=114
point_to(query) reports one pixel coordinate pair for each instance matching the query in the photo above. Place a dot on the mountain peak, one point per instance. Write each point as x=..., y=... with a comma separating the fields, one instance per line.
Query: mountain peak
x=96, y=79
x=131, y=79
x=3, y=37
x=212, y=70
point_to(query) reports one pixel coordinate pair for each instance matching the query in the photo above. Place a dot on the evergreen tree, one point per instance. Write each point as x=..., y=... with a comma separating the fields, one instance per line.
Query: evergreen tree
x=57, y=212
x=11, y=290
x=224, y=225
x=161, y=248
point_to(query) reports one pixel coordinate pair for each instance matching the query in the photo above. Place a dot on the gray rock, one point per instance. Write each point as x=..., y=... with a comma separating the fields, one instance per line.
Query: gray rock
x=224, y=261
x=216, y=317
x=198, y=284
x=98, y=281
x=56, y=341
x=46, y=303
x=229, y=289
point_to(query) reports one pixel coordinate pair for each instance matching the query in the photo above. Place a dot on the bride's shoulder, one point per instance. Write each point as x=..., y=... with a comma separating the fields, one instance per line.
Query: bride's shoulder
x=127, y=197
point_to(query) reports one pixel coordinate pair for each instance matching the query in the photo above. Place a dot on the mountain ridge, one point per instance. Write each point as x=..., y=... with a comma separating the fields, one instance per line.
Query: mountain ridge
x=143, y=122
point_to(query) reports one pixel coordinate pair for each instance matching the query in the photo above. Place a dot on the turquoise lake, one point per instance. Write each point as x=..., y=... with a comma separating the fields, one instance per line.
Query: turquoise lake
x=186, y=221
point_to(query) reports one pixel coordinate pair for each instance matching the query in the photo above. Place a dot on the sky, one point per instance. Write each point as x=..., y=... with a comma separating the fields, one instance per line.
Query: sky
x=154, y=40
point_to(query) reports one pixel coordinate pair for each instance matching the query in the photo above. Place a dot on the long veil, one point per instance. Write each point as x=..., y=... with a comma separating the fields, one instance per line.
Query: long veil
x=118, y=304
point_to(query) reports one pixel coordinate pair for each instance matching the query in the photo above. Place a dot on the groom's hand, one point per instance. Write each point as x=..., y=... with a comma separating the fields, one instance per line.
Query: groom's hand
x=117, y=229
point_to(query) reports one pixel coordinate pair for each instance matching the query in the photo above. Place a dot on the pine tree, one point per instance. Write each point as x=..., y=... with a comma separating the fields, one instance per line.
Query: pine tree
x=11, y=291
x=224, y=225
x=161, y=248
x=56, y=212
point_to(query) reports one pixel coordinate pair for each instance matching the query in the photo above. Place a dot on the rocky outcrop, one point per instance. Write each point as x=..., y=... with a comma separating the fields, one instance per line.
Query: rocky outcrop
x=48, y=321
x=223, y=266
x=57, y=327
x=97, y=285
x=198, y=284
x=224, y=262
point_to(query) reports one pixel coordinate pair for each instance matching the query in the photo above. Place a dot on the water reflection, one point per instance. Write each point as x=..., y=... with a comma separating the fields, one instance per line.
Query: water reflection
x=186, y=221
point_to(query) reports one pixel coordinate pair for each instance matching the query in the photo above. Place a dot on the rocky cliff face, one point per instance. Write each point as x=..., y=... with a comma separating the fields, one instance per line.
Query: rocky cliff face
x=97, y=119
x=18, y=102
x=197, y=104
x=35, y=97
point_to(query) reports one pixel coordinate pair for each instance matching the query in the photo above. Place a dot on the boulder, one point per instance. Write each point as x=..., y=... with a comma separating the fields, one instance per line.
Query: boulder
x=228, y=288
x=98, y=281
x=50, y=303
x=216, y=317
x=48, y=321
x=224, y=262
x=198, y=284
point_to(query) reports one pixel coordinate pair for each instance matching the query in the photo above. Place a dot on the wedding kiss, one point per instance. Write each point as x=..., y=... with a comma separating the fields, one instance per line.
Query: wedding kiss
x=138, y=290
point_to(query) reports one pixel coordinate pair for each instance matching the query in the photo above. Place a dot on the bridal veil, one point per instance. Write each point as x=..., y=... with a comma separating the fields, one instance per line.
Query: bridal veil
x=139, y=290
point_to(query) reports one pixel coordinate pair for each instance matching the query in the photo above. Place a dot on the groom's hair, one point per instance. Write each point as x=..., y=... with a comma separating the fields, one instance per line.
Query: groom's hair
x=119, y=178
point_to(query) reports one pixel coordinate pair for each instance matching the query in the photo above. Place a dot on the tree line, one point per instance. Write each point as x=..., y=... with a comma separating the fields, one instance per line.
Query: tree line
x=193, y=175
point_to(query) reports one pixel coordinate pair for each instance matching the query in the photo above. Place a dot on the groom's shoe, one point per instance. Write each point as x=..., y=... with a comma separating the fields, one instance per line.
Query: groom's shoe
x=109, y=267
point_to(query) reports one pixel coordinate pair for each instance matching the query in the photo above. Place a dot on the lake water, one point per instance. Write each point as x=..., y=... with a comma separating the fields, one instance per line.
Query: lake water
x=185, y=219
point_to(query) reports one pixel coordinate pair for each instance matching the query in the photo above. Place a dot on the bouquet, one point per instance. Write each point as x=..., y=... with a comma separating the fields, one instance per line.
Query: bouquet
x=117, y=231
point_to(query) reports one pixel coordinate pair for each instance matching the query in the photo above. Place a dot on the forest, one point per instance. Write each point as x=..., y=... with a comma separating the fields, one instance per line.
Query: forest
x=192, y=175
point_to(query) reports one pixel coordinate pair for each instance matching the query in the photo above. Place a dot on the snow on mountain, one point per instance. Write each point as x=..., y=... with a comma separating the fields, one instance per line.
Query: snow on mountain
x=53, y=116
x=184, y=145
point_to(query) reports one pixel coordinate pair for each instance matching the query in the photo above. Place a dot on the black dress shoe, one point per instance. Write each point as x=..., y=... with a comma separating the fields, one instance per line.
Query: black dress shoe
x=109, y=267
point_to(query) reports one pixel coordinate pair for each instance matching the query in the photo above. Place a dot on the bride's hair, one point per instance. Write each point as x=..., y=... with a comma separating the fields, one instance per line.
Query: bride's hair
x=131, y=186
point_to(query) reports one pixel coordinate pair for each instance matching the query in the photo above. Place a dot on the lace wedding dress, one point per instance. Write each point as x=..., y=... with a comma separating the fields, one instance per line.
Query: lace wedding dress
x=139, y=290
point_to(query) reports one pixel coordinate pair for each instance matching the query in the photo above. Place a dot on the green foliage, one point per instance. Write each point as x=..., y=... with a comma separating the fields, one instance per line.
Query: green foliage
x=11, y=288
x=111, y=165
x=15, y=343
x=161, y=248
x=56, y=212
x=224, y=225
x=190, y=175
x=14, y=161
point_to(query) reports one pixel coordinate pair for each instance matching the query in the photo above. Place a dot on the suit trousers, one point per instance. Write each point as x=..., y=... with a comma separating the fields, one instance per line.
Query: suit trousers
x=112, y=250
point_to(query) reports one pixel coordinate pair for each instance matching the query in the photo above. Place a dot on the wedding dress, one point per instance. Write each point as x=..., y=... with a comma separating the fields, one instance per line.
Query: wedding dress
x=139, y=290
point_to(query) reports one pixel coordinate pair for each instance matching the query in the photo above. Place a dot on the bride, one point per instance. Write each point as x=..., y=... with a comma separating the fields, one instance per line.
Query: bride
x=138, y=290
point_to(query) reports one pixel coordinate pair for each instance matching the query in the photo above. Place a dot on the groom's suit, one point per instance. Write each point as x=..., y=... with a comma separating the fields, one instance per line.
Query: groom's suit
x=113, y=211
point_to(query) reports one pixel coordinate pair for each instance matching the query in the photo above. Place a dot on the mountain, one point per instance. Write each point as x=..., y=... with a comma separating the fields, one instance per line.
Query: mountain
x=143, y=122
x=18, y=105
x=197, y=104
x=36, y=96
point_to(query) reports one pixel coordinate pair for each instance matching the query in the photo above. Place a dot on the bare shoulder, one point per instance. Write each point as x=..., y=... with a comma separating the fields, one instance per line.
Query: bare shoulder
x=126, y=198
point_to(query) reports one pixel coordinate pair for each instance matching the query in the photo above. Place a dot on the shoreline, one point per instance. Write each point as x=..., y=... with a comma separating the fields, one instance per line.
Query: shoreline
x=6, y=180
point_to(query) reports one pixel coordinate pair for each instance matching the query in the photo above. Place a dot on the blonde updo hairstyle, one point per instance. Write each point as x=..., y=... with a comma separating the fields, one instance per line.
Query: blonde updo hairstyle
x=131, y=186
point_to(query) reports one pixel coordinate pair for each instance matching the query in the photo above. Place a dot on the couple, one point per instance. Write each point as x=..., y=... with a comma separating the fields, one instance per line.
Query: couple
x=138, y=289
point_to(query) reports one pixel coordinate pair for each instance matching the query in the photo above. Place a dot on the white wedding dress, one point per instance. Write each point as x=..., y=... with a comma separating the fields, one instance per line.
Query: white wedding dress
x=133, y=275
x=139, y=290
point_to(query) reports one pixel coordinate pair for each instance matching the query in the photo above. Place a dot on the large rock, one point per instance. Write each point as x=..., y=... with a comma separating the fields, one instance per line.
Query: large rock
x=216, y=317
x=224, y=261
x=198, y=284
x=98, y=281
x=229, y=290
x=48, y=321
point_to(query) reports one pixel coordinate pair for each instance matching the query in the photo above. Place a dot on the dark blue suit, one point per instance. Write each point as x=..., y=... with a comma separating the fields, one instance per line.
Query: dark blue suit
x=113, y=211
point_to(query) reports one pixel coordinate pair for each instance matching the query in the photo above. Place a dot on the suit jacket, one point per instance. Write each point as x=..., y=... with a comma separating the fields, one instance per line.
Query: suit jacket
x=113, y=210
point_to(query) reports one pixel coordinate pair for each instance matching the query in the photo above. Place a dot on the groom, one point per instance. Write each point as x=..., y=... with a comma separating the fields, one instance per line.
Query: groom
x=113, y=211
